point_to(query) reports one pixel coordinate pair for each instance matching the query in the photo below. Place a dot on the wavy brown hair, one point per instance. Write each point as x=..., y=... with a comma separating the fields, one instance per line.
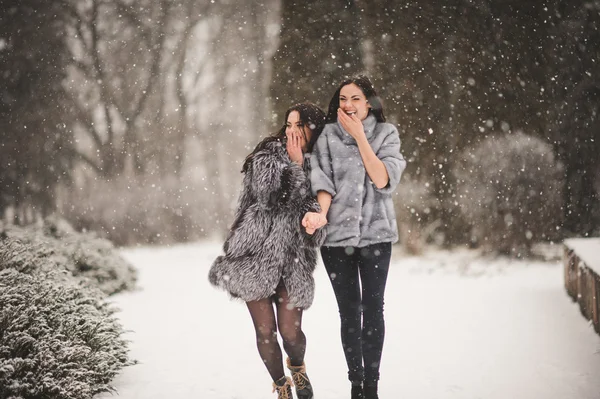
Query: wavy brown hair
x=310, y=115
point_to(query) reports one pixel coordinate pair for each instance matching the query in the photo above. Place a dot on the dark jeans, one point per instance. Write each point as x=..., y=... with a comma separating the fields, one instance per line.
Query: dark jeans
x=349, y=269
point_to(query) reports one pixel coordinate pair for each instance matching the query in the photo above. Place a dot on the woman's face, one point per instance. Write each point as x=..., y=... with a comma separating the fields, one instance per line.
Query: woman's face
x=353, y=101
x=294, y=125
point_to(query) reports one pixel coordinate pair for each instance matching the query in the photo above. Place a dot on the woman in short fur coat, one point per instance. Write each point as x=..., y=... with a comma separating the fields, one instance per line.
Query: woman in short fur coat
x=357, y=165
x=269, y=256
x=267, y=243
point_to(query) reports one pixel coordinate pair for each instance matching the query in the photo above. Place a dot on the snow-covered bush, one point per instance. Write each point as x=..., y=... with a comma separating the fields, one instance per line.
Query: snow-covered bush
x=509, y=188
x=84, y=255
x=58, y=337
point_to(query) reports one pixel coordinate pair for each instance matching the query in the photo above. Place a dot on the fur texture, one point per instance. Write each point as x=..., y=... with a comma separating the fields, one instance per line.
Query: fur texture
x=360, y=214
x=267, y=243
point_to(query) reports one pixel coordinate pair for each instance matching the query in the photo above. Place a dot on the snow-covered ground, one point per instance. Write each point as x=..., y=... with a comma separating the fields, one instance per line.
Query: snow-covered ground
x=458, y=326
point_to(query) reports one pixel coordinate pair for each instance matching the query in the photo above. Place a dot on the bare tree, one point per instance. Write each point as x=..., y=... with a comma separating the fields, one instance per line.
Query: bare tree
x=35, y=135
x=117, y=51
x=319, y=45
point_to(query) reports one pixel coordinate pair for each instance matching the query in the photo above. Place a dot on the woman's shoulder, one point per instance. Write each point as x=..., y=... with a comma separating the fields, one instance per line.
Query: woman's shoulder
x=331, y=129
x=269, y=146
x=385, y=129
x=331, y=126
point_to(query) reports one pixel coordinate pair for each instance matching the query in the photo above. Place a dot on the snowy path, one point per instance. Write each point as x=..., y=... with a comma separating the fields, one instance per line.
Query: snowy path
x=490, y=332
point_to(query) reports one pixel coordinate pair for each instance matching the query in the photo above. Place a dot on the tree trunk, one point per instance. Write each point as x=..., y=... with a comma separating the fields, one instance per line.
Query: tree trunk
x=318, y=46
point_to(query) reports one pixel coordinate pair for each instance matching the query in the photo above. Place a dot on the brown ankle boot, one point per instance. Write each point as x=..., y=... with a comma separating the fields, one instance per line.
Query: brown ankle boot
x=304, y=389
x=283, y=386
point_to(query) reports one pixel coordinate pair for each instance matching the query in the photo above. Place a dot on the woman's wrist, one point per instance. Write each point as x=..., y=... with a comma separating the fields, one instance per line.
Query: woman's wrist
x=362, y=140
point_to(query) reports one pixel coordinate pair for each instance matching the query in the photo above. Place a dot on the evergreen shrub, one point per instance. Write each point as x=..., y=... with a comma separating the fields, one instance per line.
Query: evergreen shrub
x=59, y=338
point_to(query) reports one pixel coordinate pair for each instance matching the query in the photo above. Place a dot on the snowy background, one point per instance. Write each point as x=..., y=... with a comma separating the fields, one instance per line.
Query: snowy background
x=458, y=326
x=131, y=119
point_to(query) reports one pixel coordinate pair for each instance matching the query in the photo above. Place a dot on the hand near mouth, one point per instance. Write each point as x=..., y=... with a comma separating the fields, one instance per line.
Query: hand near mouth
x=351, y=124
x=294, y=148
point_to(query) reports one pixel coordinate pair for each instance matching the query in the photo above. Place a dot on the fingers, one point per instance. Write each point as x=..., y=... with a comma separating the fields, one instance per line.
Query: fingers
x=297, y=139
x=344, y=119
x=305, y=220
x=310, y=231
x=321, y=221
x=293, y=139
x=293, y=147
x=314, y=220
x=342, y=116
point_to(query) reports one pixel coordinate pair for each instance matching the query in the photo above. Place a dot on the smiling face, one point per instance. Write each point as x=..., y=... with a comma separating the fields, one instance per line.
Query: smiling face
x=353, y=101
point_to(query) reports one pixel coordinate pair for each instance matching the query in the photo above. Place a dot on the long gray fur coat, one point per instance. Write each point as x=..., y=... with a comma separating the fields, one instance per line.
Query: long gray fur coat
x=267, y=243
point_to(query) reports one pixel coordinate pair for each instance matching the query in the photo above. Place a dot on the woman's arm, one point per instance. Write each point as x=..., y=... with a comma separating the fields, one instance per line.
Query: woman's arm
x=273, y=182
x=373, y=165
x=321, y=179
x=324, y=200
x=316, y=220
x=321, y=174
x=392, y=159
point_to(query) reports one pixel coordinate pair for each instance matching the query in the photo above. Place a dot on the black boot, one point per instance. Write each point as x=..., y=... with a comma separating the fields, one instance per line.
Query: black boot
x=370, y=390
x=283, y=386
x=357, y=390
x=304, y=389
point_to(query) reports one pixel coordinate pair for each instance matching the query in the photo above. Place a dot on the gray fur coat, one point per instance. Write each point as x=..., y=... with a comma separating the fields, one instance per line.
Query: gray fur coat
x=360, y=213
x=267, y=243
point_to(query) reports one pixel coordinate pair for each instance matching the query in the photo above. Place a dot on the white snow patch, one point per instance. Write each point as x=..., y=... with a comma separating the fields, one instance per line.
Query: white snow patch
x=458, y=326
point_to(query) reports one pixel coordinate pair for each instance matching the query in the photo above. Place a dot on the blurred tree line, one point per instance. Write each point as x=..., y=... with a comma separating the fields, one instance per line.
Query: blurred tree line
x=132, y=117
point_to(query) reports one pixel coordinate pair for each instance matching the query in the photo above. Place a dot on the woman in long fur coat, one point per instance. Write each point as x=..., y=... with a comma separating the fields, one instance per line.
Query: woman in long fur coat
x=269, y=256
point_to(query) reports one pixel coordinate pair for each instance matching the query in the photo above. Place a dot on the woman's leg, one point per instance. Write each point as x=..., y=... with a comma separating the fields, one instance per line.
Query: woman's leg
x=342, y=269
x=374, y=266
x=263, y=317
x=289, y=321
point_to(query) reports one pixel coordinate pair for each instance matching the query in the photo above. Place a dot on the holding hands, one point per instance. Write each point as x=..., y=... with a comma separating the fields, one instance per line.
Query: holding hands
x=352, y=124
x=313, y=221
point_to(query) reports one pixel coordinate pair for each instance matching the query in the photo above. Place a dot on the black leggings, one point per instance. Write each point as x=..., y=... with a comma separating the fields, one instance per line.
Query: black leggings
x=289, y=322
x=362, y=340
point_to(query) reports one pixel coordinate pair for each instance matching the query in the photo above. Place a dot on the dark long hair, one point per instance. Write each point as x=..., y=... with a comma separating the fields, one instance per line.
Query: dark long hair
x=310, y=114
x=368, y=90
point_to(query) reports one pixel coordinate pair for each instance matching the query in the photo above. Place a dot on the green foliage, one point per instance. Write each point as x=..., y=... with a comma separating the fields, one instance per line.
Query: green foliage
x=58, y=337
x=509, y=190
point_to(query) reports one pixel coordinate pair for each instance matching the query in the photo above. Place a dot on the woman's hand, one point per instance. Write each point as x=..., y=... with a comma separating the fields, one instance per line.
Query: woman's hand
x=294, y=147
x=351, y=124
x=313, y=221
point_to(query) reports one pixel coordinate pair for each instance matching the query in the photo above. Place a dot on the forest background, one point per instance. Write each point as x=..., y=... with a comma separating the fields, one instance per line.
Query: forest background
x=131, y=118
